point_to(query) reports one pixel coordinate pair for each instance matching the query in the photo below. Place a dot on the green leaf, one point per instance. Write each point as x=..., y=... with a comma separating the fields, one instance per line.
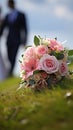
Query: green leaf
x=70, y=72
x=60, y=56
x=55, y=38
x=37, y=71
x=20, y=61
x=31, y=82
x=36, y=41
x=49, y=83
x=22, y=82
x=40, y=37
x=22, y=55
x=27, y=46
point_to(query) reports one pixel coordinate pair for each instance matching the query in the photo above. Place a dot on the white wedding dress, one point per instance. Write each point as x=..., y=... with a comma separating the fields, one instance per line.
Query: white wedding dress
x=3, y=70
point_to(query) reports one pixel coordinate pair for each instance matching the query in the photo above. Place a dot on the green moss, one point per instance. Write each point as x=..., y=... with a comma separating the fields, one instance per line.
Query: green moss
x=28, y=110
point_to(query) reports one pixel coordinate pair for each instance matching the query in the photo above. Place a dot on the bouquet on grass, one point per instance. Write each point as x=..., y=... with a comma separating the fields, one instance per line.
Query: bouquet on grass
x=44, y=64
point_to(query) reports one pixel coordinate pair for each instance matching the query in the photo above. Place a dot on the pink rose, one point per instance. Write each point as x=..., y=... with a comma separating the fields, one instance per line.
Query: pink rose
x=63, y=68
x=49, y=64
x=55, y=46
x=30, y=52
x=29, y=66
x=41, y=50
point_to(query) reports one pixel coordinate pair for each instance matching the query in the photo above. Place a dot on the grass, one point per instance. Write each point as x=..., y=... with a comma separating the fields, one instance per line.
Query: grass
x=27, y=110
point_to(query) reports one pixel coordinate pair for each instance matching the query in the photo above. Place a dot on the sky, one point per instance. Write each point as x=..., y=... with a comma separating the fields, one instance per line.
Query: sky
x=50, y=18
x=45, y=15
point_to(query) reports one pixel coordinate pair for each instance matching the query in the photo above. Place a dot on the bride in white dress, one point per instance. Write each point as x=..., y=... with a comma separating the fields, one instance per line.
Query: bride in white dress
x=3, y=69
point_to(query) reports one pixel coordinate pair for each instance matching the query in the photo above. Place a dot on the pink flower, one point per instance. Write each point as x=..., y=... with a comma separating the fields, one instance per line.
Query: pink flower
x=30, y=52
x=55, y=46
x=49, y=64
x=41, y=50
x=29, y=66
x=63, y=68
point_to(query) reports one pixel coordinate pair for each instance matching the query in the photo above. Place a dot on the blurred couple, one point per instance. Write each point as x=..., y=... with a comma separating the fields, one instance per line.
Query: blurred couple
x=16, y=23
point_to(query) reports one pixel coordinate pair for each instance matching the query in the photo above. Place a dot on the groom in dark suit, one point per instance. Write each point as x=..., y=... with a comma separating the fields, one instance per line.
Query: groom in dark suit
x=16, y=23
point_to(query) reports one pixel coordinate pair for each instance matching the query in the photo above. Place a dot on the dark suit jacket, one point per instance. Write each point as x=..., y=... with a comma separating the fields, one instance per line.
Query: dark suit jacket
x=16, y=28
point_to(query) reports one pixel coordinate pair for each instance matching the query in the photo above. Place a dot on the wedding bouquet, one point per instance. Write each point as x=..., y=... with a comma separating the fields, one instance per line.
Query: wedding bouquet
x=44, y=64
